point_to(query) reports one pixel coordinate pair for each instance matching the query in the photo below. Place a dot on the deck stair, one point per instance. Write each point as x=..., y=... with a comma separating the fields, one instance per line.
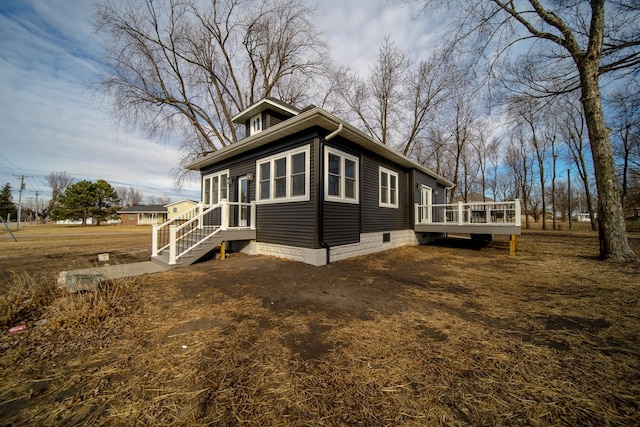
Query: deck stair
x=190, y=236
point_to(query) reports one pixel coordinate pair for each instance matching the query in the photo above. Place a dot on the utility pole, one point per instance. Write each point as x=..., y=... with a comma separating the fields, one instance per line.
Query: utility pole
x=37, y=208
x=569, y=195
x=20, y=201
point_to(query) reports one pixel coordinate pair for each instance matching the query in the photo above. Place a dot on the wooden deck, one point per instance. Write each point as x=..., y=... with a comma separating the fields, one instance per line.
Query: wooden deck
x=471, y=218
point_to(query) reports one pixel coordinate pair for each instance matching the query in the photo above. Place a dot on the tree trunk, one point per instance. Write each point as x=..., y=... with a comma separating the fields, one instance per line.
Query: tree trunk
x=612, y=231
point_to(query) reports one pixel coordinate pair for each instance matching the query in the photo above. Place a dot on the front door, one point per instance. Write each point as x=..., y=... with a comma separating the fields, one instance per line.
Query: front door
x=243, y=198
x=425, y=204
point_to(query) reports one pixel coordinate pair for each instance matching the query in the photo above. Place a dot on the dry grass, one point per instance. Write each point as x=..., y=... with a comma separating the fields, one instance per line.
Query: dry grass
x=436, y=335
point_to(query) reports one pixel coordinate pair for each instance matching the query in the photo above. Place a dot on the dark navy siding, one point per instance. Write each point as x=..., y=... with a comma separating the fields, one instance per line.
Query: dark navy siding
x=291, y=224
x=341, y=223
x=374, y=217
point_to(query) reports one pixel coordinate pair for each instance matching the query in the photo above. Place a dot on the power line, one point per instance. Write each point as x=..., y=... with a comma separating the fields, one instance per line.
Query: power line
x=11, y=164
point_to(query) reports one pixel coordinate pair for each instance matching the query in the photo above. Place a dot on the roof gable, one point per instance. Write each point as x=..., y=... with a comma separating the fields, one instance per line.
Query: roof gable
x=144, y=208
x=263, y=105
x=193, y=202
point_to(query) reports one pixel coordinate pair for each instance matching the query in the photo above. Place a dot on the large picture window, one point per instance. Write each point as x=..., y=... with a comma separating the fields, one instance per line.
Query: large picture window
x=215, y=188
x=388, y=188
x=284, y=177
x=341, y=176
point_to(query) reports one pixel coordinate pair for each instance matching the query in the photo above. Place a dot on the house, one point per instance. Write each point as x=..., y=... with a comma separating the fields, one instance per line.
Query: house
x=306, y=185
x=143, y=215
x=176, y=208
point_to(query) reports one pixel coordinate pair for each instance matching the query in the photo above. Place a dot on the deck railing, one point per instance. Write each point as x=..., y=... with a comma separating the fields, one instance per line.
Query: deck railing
x=196, y=225
x=461, y=213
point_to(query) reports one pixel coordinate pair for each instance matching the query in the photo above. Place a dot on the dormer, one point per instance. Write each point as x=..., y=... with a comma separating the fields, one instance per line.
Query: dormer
x=264, y=114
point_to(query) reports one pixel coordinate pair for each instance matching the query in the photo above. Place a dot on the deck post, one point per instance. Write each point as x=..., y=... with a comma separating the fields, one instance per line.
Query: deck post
x=518, y=215
x=224, y=215
x=512, y=245
x=417, y=217
x=460, y=213
x=222, y=250
x=154, y=240
x=172, y=244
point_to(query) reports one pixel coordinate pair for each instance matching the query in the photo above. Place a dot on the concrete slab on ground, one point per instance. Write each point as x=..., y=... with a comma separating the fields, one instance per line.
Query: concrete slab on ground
x=87, y=279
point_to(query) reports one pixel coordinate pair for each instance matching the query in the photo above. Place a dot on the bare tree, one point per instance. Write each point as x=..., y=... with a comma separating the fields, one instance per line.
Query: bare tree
x=129, y=196
x=572, y=131
x=569, y=46
x=159, y=200
x=462, y=128
x=517, y=158
x=376, y=99
x=58, y=182
x=427, y=88
x=493, y=161
x=188, y=66
x=625, y=124
x=397, y=101
x=529, y=113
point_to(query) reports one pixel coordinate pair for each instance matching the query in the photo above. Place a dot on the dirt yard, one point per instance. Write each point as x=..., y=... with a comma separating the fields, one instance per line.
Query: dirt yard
x=453, y=334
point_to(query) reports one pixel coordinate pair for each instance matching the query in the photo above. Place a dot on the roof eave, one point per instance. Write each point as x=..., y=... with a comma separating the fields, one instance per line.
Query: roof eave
x=315, y=116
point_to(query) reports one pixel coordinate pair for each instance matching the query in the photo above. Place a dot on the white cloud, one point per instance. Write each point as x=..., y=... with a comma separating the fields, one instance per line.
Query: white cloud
x=355, y=29
x=51, y=122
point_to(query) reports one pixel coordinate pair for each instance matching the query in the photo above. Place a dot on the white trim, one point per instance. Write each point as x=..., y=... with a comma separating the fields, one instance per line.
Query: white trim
x=425, y=205
x=241, y=204
x=262, y=105
x=341, y=198
x=288, y=177
x=388, y=203
x=220, y=186
x=253, y=129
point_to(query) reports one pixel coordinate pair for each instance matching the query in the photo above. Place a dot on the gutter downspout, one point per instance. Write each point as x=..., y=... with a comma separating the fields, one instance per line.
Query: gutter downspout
x=447, y=195
x=322, y=165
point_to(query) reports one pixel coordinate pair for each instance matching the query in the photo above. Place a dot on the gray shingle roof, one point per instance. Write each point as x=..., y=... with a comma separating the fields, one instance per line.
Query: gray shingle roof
x=144, y=208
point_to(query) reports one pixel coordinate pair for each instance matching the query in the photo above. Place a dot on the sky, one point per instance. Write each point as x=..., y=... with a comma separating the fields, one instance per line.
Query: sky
x=53, y=119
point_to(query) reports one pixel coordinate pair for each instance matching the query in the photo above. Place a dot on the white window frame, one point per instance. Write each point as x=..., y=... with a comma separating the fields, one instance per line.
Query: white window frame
x=389, y=203
x=341, y=198
x=289, y=197
x=221, y=186
x=255, y=124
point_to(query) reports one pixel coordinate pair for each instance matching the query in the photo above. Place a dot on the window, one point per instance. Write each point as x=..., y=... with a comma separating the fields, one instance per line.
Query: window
x=388, y=188
x=284, y=177
x=256, y=124
x=341, y=177
x=175, y=210
x=215, y=188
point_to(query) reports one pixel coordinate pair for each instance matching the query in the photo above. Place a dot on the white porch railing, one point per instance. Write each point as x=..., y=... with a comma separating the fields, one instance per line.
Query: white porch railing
x=198, y=224
x=461, y=213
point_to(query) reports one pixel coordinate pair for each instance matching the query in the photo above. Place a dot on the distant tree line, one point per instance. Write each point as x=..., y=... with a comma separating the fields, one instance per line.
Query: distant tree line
x=77, y=200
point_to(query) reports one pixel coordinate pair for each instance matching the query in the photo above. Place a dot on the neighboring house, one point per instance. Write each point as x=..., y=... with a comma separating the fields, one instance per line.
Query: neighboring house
x=176, y=208
x=143, y=215
x=307, y=186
